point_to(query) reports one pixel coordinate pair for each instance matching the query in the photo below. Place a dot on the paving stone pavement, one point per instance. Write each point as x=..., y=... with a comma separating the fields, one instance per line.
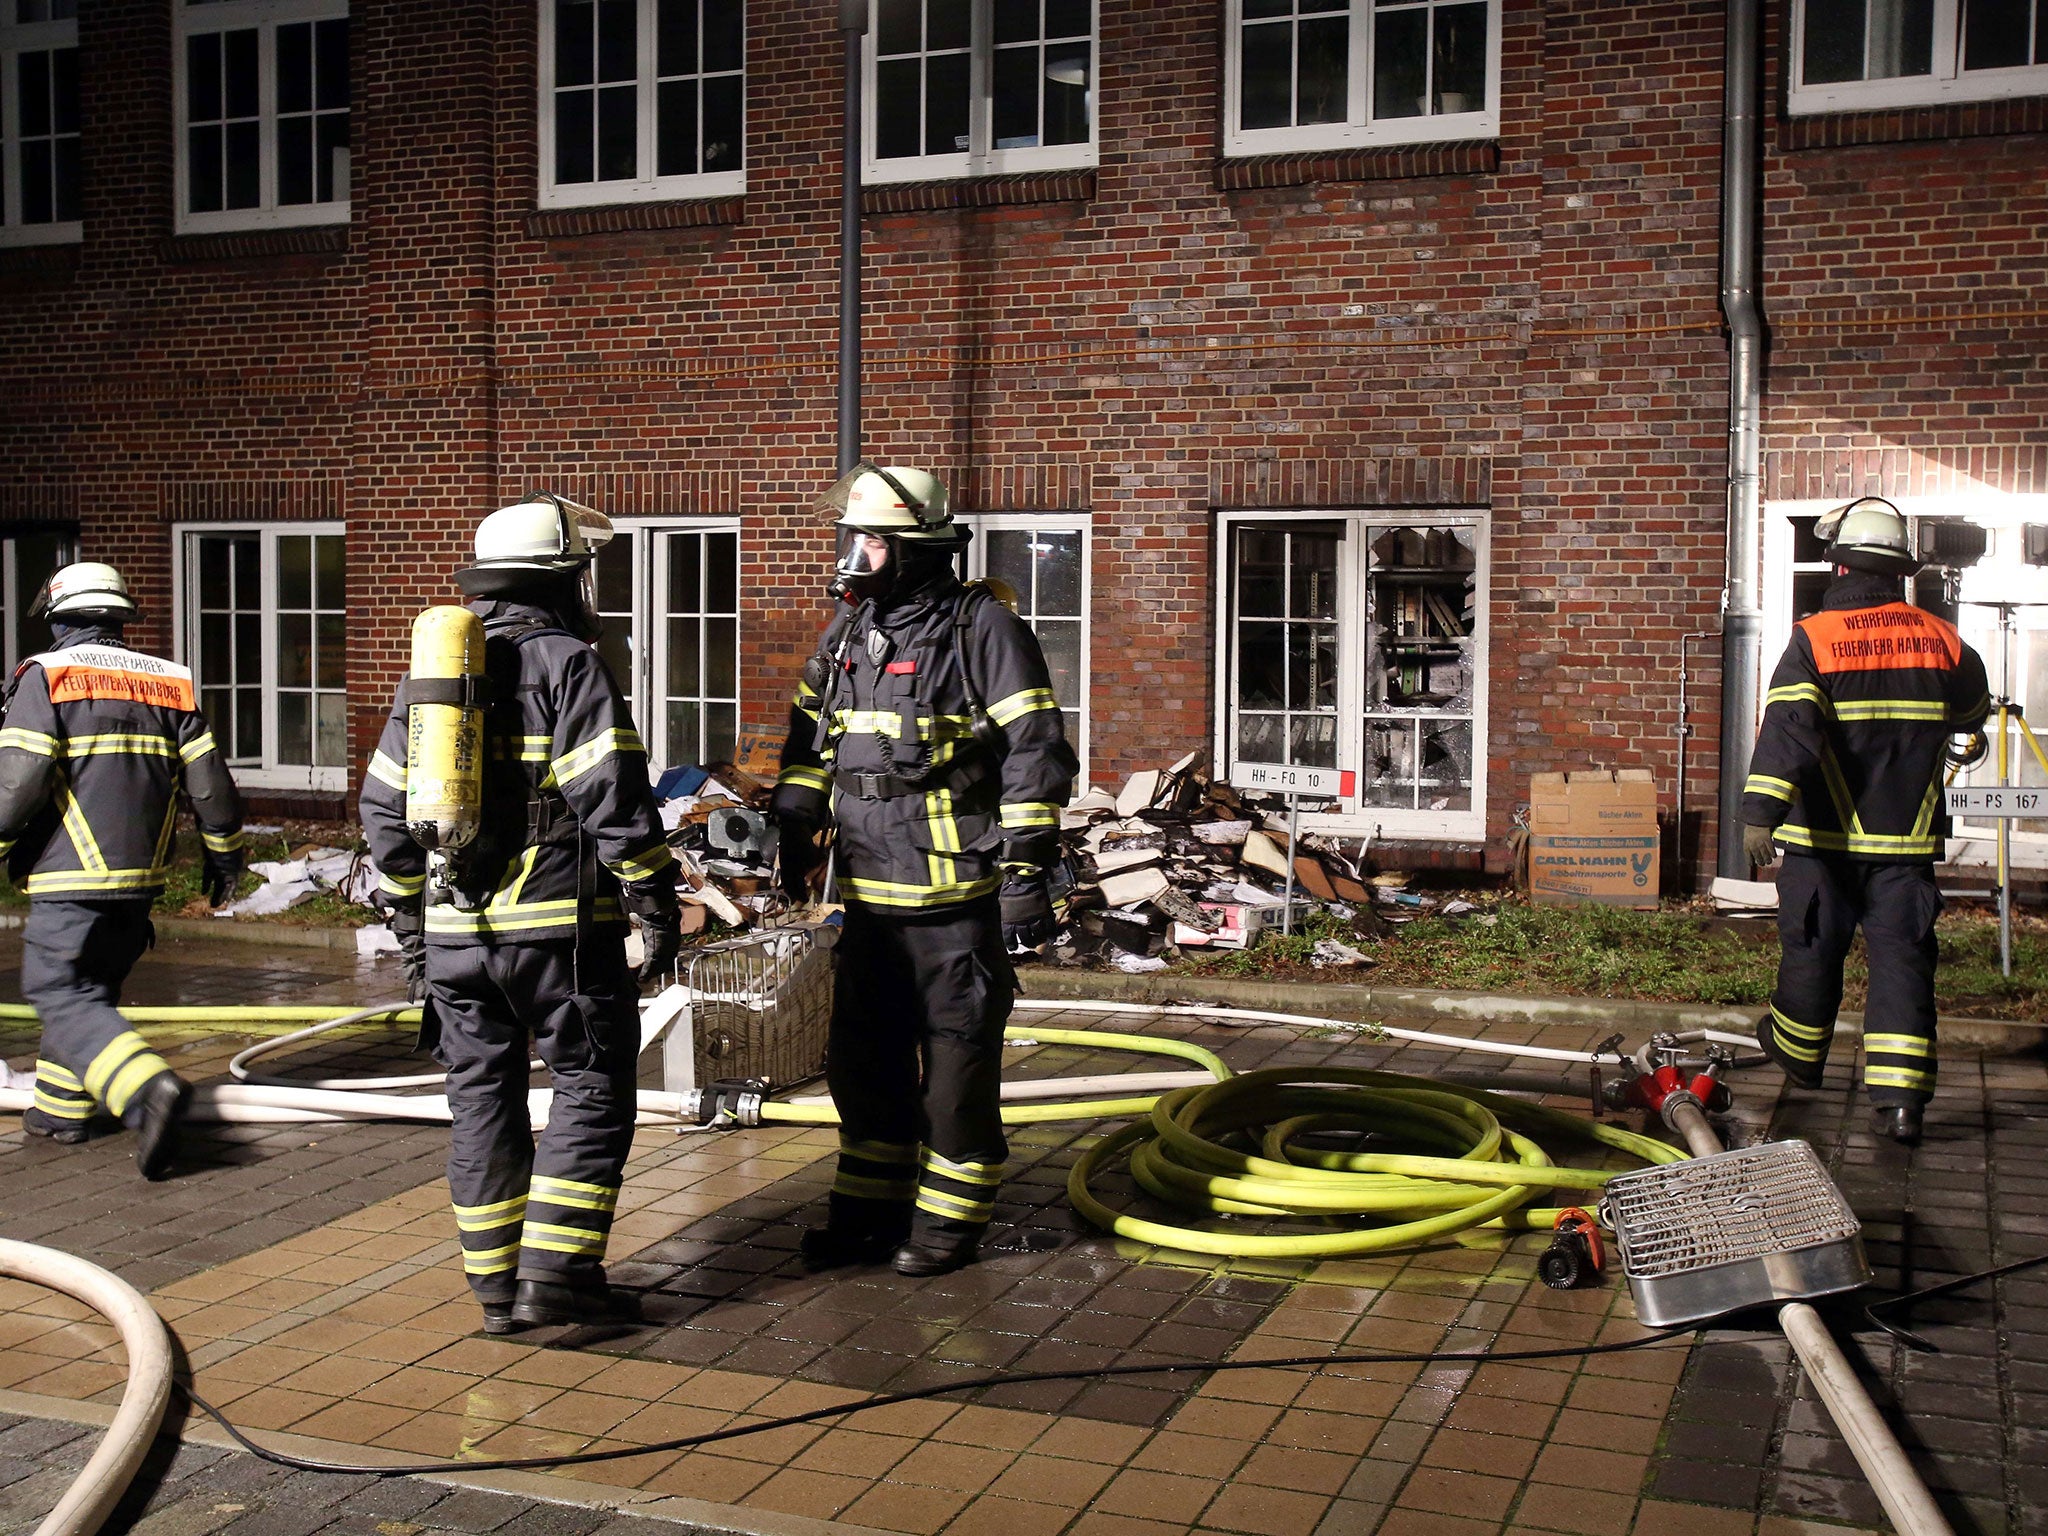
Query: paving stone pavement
x=340, y=1315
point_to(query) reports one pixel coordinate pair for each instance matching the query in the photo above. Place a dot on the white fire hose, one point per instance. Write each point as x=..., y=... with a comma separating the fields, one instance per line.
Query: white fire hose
x=99, y=1487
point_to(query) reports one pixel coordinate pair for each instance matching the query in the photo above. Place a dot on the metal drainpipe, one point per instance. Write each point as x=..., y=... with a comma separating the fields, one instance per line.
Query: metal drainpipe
x=1741, y=613
x=853, y=26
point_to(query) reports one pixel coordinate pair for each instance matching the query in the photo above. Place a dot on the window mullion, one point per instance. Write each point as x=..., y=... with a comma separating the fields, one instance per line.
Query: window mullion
x=1360, y=92
x=981, y=108
x=267, y=620
x=645, y=73
x=1948, y=40
x=266, y=128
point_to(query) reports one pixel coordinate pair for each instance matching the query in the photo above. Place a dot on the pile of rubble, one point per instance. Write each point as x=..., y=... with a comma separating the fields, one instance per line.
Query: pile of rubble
x=1177, y=860
x=717, y=824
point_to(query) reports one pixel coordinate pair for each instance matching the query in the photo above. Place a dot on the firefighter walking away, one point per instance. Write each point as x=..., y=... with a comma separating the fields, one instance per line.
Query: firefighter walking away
x=98, y=741
x=1847, y=778
x=511, y=903
x=925, y=730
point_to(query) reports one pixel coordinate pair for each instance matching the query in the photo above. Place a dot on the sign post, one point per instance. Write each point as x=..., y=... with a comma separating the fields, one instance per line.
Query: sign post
x=1296, y=783
x=2004, y=804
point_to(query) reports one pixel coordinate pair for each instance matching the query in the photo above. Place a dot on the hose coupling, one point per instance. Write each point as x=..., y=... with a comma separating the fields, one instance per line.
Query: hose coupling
x=730, y=1103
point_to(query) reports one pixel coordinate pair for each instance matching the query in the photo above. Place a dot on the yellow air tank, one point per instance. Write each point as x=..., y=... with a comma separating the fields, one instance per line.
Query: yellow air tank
x=444, y=729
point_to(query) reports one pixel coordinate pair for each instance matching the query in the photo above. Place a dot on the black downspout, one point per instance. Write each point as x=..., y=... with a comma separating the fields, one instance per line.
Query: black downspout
x=1741, y=612
x=853, y=26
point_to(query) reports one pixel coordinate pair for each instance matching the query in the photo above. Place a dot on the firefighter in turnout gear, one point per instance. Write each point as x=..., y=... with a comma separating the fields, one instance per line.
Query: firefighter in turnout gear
x=926, y=730
x=526, y=942
x=1847, y=778
x=98, y=741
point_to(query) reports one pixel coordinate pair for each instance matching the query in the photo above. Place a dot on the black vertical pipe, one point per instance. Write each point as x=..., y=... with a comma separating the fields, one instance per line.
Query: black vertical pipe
x=853, y=26
x=1741, y=611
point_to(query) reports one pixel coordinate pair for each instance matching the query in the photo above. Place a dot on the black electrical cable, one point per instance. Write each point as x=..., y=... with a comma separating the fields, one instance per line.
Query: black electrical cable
x=889, y=1400
x=1907, y=1336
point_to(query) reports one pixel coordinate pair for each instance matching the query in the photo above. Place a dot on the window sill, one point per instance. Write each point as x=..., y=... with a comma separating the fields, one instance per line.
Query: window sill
x=1908, y=125
x=1389, y=162
x=980, y=192
x=619, y=218
x=242, y=245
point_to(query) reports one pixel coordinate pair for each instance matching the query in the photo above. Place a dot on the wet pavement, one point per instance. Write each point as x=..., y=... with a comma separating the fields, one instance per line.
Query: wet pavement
x=311, y=1278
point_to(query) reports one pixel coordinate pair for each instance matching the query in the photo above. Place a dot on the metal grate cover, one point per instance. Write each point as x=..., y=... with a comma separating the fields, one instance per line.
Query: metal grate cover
x=758, y=1008
x=1713, y=1234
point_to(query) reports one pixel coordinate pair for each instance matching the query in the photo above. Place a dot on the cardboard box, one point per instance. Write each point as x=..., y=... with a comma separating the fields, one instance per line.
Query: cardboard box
x=1593, y=836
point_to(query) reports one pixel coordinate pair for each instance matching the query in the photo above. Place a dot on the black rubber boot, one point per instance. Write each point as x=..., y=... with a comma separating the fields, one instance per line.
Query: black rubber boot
x=919, y=1259
x=68, y=1133
x=543, y=1304
x=1897, y=1122
x=155, y=1112
x=830, y=1247
x=498, y=1318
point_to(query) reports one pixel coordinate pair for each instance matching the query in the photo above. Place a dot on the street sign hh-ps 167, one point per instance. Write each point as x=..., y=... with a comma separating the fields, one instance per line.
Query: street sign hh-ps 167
x=1997, y=800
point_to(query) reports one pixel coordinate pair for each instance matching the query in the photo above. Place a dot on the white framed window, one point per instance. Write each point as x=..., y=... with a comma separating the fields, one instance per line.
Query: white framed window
x=1858, y=55
x=979, y=87
x=26, y=561
x=40, y=175
x=263, y=624
x=1357, y=640
x=1044, y=559
x=262, y=92
x=1337, y=74
x=641, y=100
x=669, y=593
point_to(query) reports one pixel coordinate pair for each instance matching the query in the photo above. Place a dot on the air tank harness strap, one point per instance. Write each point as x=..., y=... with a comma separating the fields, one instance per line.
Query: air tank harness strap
x=891, y=786
x=470, y=690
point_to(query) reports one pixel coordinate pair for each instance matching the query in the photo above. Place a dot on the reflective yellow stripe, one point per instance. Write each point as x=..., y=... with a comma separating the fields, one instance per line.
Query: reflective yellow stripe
x=1891, y=709
x=556, y=1239
x=1024, y=702
x=123, y=1066
x=1838, y=790
x=80, y=829
x=577, y=761
x=1777, y=789
x=589, y=1197
x=1794, y=693
x=990, y=1174
x=1029, y=813
x=401, y=885
x=1924, y=822
x=945, y=834
x=806, y=778
x=63, y=1109
x=868, y=722
x=1897, y=1077
x=385, y=771
x=490, y=1261
x=1858, y=842
x=198, y=747
x=512, y=915
x=51, y=882
x=890, y=893
x=1899, y=1045
x=644, y=866
x=1786, y=1022
x=939, y=1203
x=26, y=740
x=481, y=1218
x=223, y=842
x=115, y=743
x=59, y=1077
x=863, y=1188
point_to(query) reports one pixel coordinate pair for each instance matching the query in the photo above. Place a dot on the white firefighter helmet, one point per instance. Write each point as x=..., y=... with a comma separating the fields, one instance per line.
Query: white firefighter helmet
x=545, y=532
x=1869, y=534
x=86, y=587
x=894, y=502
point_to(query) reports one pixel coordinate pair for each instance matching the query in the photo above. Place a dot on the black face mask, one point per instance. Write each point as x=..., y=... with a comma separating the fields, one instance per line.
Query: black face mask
x=566, y=595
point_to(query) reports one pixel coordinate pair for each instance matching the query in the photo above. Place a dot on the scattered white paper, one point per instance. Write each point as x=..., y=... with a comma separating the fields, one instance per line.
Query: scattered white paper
x=1137, y=965
x=269, y=900
x=1333, y=952
x=9, y=1078
x=375, y=939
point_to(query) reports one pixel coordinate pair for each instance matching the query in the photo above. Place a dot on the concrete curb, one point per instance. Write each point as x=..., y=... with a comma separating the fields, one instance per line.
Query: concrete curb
x=541, y=1487
x=235, y=931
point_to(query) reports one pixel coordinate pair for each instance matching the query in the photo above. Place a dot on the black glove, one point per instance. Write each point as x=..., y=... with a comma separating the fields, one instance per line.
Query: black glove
x=660, y=911
x=1028, y=919
x=410, y=929
x=798, y=852
x=219, y=874
x=1757, y=844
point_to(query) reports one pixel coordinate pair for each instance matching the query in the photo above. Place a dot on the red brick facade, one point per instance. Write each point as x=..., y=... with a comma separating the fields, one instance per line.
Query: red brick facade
x=1529, y=325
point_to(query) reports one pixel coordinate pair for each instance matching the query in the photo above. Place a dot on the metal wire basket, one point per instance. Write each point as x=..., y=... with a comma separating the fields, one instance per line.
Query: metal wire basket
x=758, y=1008
x=1739, y=1229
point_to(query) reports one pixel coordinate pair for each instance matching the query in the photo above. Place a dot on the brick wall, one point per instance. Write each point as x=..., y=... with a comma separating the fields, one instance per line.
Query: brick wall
x=1529, y=326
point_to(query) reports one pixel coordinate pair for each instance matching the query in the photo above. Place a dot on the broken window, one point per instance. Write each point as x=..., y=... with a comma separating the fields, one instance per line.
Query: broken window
x=1357, y=642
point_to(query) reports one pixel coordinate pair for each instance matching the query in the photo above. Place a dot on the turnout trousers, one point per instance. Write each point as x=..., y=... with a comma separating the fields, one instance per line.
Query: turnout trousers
x=75, y=955
x=1821, y=903
x=915, y=1062
x=527, y=1211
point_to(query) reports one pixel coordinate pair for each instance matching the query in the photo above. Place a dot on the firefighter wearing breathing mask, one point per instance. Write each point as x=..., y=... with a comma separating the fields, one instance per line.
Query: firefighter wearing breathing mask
x=1847, y=778
x=98, y=741
x=519, y=932
x=925, y=730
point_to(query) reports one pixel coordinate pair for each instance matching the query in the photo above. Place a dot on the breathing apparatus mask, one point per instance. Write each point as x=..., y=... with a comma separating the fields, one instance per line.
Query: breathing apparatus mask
x=905, y=511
